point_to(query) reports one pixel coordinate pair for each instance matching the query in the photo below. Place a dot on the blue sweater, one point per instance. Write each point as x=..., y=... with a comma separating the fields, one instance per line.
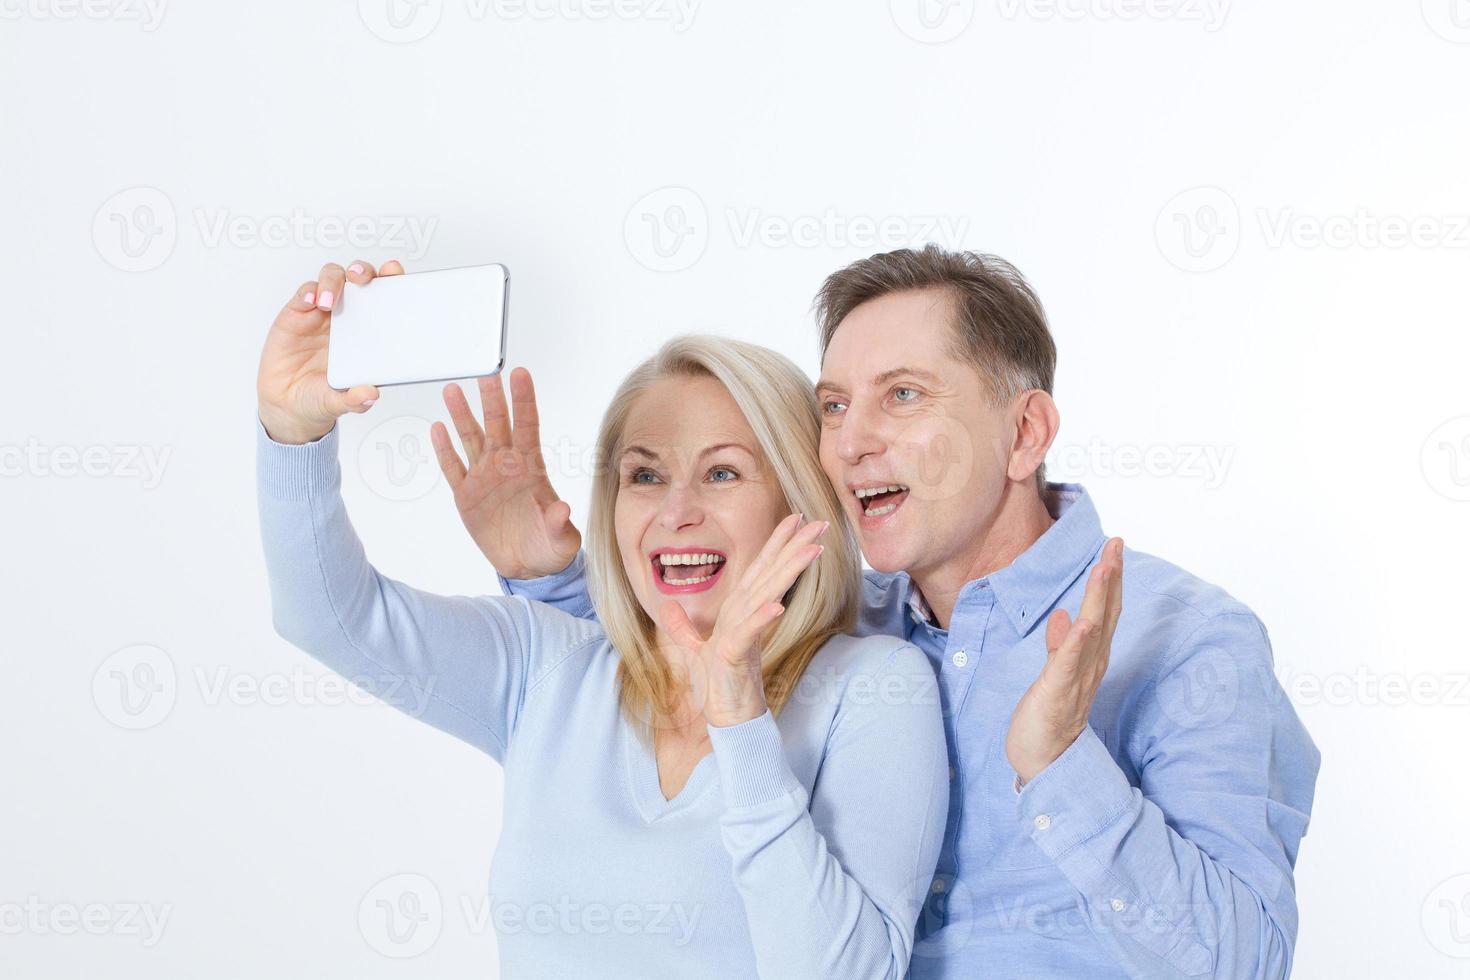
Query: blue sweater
x=802, y=847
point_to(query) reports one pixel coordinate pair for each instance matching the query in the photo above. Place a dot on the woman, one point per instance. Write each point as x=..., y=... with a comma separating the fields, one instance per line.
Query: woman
x=715, y=779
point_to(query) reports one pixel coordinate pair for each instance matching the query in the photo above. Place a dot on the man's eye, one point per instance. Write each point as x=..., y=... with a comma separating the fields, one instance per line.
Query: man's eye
x=827, y=407
x=897, y=393
x=724, y=469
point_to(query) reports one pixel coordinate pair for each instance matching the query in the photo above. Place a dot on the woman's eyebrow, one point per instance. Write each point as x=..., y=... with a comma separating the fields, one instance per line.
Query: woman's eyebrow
x=650, y=454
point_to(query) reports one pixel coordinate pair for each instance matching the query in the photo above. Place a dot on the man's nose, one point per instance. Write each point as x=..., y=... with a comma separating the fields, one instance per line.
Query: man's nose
x=858, y=435
x=681, y=508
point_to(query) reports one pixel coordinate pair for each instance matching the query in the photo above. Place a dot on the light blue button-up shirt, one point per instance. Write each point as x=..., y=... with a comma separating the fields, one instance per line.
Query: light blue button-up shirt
x=1162, y=842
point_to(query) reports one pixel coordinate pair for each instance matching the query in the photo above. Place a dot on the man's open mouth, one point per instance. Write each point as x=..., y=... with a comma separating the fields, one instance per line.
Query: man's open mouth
x=881, y=500
x=686, y=569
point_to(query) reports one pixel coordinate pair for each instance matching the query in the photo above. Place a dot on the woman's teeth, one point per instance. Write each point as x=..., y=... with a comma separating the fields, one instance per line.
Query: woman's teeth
x=703, y=567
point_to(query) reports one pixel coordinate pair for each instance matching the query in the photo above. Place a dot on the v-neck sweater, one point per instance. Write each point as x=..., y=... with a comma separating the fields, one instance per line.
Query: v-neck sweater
x=802, y=846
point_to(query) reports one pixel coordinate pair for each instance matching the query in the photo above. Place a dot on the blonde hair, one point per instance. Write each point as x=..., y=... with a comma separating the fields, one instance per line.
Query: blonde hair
x=778, y=402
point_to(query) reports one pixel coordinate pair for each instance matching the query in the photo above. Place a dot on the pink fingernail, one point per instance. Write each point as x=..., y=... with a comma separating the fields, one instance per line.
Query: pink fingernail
x=309, y=299
x=355, y=267
x=326, y=300
x=370, y=401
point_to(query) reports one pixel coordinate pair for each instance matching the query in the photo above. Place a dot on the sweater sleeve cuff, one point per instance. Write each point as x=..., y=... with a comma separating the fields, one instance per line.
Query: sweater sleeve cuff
x=1075, y=797
x=752, y=761
x=295, y=472
x=547, y=588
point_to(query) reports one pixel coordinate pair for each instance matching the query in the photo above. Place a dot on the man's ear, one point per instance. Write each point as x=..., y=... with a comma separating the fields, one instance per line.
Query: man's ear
x=1036, y=423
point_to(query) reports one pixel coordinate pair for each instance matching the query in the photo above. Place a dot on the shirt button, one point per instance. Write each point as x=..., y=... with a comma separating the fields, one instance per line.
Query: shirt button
x=1119, y=905
x=960, y=658
x=938, y=887
x=1042, y=821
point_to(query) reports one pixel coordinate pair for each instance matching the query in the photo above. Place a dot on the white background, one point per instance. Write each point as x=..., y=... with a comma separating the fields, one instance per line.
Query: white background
x=1158, y=172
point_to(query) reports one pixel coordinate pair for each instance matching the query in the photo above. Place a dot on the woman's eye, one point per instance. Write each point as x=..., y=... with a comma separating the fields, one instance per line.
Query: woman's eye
x=724, y=469
x=637, y=476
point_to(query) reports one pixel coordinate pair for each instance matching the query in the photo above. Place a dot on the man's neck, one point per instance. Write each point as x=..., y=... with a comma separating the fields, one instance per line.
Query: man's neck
x=1020, y=520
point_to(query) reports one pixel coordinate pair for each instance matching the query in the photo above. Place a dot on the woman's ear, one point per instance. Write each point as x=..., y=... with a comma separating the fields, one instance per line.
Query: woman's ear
x=1036, y=423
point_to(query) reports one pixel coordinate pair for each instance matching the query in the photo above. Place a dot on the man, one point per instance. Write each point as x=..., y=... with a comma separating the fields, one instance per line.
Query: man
x=1129, y=791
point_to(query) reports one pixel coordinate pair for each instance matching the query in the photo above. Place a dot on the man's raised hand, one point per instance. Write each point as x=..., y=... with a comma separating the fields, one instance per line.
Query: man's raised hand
x=503, y=494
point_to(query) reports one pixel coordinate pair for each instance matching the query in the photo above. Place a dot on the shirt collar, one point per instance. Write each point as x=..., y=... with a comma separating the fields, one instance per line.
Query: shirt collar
x=1028, y=587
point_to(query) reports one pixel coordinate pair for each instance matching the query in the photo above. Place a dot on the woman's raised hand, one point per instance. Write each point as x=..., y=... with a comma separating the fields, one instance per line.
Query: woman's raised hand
x=503, y=495
x=296, y=403
x=725, y=667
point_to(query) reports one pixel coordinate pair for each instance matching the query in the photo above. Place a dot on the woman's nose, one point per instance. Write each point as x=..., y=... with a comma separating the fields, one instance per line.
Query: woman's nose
x=680, y=509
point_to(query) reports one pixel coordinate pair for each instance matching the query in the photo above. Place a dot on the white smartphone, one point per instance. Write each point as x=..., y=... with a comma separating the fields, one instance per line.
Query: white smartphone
x=420, y=326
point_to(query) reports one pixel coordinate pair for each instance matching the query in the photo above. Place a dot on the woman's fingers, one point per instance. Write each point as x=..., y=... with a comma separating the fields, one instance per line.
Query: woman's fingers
x=449, y=461
x=329, y=285
x=391, y=268
x=795, y=555
x=361, y=272
x=676, y=623
x=770, y=549
x=470, y=435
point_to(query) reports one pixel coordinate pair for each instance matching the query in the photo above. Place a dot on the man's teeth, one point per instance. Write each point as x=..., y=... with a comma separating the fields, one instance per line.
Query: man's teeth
x=874, y=491
x=866, y=493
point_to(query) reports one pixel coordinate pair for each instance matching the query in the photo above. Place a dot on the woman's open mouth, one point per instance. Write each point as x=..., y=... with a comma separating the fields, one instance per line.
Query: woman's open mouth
x=684, y=570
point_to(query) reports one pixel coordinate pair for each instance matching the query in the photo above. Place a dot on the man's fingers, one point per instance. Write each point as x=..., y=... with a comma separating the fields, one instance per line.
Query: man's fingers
x=449, y=461
x=497, y=415
x=470, y=435
x=526, y=435
x=676, y=623
x=1057, y=628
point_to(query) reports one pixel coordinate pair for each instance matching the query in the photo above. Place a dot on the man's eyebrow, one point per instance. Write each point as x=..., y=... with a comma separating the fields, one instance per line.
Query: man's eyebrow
x=884, y=378
x=911, y=372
